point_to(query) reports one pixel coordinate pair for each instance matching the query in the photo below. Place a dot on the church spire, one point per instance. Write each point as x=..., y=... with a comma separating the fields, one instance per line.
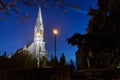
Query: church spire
x=37, y=48
x=40, y=15
x=39, y=22
x=38, y=30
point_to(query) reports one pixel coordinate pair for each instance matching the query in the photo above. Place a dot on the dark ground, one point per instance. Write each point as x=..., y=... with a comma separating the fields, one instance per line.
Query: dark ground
x=59, y=73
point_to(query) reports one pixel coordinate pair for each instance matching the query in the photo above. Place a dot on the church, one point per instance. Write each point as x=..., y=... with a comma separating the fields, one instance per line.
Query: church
x=37, y=47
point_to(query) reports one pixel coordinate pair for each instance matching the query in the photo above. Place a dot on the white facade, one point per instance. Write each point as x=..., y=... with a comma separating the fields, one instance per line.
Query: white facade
x=37, y=48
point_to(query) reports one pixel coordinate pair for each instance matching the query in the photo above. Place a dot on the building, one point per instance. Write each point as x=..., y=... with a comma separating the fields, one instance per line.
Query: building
x=37, y=48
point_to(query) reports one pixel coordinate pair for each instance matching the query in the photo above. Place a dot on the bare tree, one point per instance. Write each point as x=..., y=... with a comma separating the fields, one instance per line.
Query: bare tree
x=7, y=7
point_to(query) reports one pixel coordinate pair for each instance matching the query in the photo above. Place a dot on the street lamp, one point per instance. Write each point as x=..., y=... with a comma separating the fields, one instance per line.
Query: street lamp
x=55, y=32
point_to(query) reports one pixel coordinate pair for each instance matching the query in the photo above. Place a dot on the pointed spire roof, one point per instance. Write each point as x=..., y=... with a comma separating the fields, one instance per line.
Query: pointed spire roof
x=39, y=21
x=40, y=15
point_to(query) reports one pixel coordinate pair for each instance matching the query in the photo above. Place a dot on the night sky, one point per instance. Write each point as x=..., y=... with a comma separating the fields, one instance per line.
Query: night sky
x=15, y=34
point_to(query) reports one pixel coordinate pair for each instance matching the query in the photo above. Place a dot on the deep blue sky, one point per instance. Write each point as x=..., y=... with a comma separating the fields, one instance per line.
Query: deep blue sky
x=15, y=34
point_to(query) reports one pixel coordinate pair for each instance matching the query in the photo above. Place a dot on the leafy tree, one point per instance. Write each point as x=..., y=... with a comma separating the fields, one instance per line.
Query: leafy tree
x=83, y=51
x=104, y=27
x=23, y=59
x=101, y=40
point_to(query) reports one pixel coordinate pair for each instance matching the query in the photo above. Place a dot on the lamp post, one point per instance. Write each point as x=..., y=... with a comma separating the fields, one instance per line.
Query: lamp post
x=55, y=32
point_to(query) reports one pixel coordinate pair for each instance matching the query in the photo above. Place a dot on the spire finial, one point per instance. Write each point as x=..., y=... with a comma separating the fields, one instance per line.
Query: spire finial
x=40, y=15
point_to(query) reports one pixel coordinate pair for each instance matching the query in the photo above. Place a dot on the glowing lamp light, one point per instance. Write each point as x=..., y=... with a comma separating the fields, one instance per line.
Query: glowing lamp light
x=55, y=31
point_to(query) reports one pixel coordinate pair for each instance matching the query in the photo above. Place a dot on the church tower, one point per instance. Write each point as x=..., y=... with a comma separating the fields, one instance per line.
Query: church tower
x=39, y=37
x=37, y=48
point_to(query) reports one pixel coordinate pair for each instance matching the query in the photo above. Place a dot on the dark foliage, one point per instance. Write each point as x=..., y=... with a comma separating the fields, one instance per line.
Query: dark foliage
x=23, y=59
x=101, y=42
x=62, y=60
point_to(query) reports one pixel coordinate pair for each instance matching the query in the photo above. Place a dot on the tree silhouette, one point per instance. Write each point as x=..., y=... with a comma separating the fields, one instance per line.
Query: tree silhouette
x=8, y=7
x=101, y=40
x=62, y=60
x=23, y=59
x=83, y=50
x=104, y=26
x=53, y=62
x=72, y=67
x=4, y=61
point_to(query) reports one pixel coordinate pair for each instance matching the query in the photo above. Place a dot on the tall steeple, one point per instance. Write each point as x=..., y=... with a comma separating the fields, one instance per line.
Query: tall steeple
x=37, y=48
x=40, y=50
x=40, y=15
x=38, y=30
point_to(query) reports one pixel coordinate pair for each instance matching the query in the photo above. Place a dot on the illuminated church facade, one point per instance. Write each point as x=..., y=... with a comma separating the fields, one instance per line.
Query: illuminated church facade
x=37, y=48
